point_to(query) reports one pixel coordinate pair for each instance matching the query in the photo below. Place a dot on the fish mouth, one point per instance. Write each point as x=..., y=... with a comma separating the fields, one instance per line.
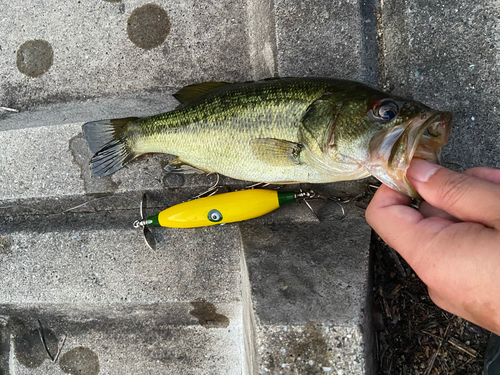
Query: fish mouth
x=421, y=137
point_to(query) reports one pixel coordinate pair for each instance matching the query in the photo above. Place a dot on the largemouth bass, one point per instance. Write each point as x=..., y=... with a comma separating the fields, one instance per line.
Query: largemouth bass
x=311, y=130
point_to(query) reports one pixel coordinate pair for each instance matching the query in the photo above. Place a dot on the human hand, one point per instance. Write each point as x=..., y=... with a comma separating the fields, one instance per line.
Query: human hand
x=453, y=241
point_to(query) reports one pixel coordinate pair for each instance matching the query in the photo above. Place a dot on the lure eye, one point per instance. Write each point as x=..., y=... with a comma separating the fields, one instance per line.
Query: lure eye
x=385, y=110
x=214, y=216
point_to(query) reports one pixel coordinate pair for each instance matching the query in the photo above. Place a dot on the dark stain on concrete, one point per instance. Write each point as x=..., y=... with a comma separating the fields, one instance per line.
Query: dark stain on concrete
x=34, y=57
x=113, y=1
x=5, y=244
x=81, y=157
x=22, y=96
x=302, y=352
x=148, y=26
x=311, y=346
x=80, y=361
x=207, y=316
x=28, y=346
x=4, y=350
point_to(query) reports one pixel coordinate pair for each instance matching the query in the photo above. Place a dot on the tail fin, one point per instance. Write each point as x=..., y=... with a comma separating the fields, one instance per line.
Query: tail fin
x=107, y=139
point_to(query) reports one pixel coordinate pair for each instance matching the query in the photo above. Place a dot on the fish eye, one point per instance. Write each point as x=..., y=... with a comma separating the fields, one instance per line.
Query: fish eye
x=214, y=216
x=385, y=110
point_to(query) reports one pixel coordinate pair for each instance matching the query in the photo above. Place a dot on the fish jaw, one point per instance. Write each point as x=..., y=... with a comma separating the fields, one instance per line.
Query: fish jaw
x=392, y=149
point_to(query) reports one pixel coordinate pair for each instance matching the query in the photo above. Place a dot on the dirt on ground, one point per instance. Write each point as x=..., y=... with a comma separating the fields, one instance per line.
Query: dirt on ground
x=414, y=336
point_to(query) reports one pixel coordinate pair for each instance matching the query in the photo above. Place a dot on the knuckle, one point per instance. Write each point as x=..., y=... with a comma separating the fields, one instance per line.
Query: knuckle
x=495, y=223
x=452, y=192
x=370, y=214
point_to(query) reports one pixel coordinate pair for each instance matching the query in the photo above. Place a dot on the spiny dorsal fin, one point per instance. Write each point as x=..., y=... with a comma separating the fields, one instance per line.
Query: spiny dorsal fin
x=276, y=151
x=195, y=91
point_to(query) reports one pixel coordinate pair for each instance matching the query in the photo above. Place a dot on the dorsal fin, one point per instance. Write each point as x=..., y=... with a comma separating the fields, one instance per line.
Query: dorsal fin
x=195, y=91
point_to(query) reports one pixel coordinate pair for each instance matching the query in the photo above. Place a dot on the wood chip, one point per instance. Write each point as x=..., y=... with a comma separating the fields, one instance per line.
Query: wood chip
x=461, y=346
x=433, y=335
x=385, y=304
x=434, y=356
x=397, y=289
x=395, y=257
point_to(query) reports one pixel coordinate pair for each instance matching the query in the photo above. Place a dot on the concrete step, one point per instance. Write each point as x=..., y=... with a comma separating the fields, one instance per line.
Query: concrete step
x=104, y=48
x=90, y=278
x=93, y=280
x=70, y=257
x=311, y=285
x=180, y=338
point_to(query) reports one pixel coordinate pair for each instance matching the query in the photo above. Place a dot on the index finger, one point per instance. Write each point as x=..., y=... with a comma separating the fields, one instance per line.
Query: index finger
x=399, y=225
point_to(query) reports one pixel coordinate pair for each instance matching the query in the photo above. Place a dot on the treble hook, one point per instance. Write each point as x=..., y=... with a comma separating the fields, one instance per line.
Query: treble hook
x=259, y=185
x=341, y=217
x=311, y=194
x=211, y=190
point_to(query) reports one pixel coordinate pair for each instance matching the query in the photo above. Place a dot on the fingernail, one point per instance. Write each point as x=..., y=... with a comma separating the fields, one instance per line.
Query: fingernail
x=421, y=170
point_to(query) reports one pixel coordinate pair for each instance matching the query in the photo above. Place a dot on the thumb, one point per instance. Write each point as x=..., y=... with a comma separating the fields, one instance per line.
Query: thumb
x=461, y=195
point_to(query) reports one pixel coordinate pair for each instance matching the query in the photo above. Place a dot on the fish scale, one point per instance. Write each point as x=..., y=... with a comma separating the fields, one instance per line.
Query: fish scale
x=215, y=135
x=313, y=130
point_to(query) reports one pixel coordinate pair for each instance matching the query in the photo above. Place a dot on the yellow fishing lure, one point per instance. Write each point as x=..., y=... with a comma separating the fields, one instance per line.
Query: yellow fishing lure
x=221, y=209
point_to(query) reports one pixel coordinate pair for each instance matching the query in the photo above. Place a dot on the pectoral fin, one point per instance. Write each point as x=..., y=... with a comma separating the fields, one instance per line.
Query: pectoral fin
x=276, y=151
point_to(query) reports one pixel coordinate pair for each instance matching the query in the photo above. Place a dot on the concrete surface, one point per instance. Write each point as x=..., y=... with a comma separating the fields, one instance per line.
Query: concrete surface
x=92, y=280
x=133, y=339
x=94, y=55
x=448, y=56
x=327, y=39
x=310, y=286
x=280, y=294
